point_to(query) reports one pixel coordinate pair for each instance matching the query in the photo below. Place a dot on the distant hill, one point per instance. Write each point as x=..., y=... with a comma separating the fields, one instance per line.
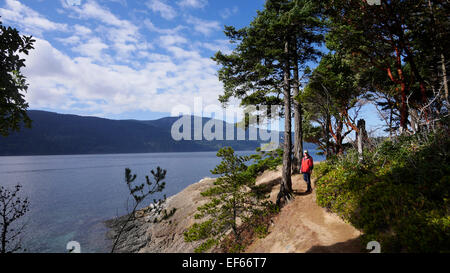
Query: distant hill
x=58, y=134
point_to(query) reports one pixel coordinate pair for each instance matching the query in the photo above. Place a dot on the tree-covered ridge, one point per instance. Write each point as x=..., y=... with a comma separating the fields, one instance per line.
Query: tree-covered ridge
x=56, y=134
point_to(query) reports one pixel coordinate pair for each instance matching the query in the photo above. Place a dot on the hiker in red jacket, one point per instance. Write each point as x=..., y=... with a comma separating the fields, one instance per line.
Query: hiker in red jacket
x=306, y=169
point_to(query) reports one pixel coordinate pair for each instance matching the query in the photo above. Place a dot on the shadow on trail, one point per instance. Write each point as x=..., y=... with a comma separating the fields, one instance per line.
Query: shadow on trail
x=350, y=246
x=302, y=193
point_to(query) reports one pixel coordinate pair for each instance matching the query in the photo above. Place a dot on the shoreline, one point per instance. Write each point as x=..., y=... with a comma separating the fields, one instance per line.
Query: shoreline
x=112, y=154
x=320, y=230
x=166, y=236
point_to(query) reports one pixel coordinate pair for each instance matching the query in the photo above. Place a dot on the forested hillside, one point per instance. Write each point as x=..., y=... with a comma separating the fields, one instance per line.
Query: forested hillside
x=56, y=134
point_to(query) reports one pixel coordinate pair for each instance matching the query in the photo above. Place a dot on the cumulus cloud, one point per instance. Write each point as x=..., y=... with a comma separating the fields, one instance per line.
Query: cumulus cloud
x=106, y=66
x=122, y=35
x=28, y=19
x=79, y=84
x=159, y=6
x=168, y=40
x=150, y=26
x=92, y=10
x=92, y=48
x=82, y=30
x=228, y=12
x=193, y=3
x=205, y=27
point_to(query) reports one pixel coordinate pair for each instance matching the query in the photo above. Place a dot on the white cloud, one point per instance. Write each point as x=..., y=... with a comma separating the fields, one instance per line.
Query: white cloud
x=78, y=84
x=30, y=20
x=82, y=30
x=70, y=41
x=159, y=6
x=92, y=10
x=112, y=68
x=122, y=35
x=203, y=26
x=193, y=3
x=181, y=53
x=150, y=26
x=226, y=13
x=168, y=40
x=92, y=48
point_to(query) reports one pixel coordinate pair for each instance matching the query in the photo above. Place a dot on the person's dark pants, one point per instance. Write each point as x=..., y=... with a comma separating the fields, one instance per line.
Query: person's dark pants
x=307, y=178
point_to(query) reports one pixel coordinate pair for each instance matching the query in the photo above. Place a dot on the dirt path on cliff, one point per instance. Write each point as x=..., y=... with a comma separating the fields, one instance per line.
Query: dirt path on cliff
x=302, y=226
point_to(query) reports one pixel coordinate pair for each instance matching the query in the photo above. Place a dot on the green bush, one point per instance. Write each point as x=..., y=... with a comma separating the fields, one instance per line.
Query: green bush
x=399, y=194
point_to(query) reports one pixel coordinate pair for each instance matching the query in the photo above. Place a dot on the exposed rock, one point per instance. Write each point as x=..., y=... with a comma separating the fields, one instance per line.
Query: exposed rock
x=302, y=226
x=166, y=236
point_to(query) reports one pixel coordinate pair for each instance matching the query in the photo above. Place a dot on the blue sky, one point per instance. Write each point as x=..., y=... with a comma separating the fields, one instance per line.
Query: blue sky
x=126, y=59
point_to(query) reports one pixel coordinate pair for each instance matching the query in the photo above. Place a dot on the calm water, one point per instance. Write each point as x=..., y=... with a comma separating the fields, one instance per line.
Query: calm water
x=72, y=195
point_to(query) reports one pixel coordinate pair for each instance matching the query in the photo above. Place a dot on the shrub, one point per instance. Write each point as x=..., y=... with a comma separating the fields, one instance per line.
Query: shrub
x=398, y=196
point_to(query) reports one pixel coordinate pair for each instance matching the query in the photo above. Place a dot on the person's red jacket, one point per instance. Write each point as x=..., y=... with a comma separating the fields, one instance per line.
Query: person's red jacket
x=307, y=164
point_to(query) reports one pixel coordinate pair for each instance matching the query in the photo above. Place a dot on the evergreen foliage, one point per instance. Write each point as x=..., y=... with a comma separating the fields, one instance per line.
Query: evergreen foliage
x=329, y=98
x=139, y=193
x=233, y=201
x=282, y=38
x=399, y=196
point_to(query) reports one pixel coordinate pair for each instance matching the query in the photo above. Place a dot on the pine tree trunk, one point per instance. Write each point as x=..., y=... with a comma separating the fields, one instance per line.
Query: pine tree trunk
x=298, y=119
x=444, y=77
x=286, y=182
x=444, y=69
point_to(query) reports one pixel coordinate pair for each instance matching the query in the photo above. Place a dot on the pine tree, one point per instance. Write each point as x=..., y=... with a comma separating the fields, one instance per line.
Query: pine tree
x=331, y=94
x=139, y=193
x=259, y=71
x=403, y=39
x=231, y=199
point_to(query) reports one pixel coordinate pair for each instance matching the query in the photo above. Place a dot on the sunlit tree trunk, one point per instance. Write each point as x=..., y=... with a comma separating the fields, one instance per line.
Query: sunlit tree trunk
x=298, y=119
x=286, y=182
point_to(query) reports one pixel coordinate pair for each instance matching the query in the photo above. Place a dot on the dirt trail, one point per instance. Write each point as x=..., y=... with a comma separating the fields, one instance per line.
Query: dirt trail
x=303, y=226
